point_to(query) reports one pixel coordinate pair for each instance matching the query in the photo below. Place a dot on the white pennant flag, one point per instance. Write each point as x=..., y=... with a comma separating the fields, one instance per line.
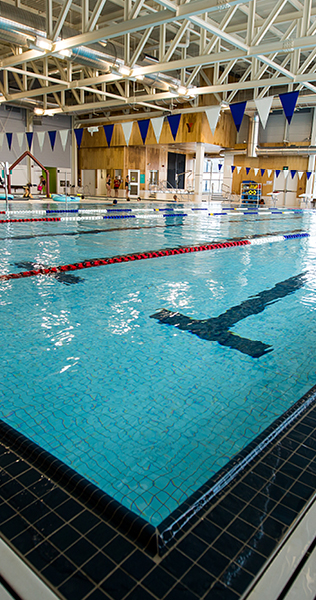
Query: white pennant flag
x=256, y=171
x=41, y=138
x=63, y=137
x=238, y=169
x=300, y=173
x=1, y=139
x=157, y=126
x=263, y=107
x=285, y=173
x=127, y=130
x=213, y=116
x=20, y=137
x=269, y=172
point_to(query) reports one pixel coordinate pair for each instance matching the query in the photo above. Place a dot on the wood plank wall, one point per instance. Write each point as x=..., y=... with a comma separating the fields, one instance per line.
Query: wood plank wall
x=300, y=163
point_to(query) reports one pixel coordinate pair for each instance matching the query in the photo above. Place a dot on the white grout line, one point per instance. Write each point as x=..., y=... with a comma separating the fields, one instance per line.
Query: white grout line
x=20, y=577
x=274, y=579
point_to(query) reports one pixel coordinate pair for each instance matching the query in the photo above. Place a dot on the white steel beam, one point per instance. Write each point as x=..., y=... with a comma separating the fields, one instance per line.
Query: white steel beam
x=49, y=18
x=61, y=20
x=268, y=22
x=176, y=40
x=95, y=14
x=141, y=45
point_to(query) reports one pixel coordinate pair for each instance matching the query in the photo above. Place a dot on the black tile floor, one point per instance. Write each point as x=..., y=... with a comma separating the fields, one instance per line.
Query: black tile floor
x=217, y=555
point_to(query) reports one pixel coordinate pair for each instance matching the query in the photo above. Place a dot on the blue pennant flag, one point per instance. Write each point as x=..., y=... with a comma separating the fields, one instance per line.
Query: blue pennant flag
x=233, y=168
x=52, y=138
x=288, y=102
x=277, y=172
x=293, y=173
x=143, y=128
x=174, y=122
x=262, y=171
x=29, y=137
x=247, y=170
x=308, y=174
x=78, y=134
x=237, y=111
x=9, y=139
x=220, y=166
x=108, y=130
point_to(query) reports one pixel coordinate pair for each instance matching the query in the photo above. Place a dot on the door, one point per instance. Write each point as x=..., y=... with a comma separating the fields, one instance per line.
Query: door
x=134, y=177
x=176, y=170
x=88, y=182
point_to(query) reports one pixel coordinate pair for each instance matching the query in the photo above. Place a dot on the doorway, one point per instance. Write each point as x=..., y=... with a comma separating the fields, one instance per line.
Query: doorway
x=134, y=179
x=176, y=170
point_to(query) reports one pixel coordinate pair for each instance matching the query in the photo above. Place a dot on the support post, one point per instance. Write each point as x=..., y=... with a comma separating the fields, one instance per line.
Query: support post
x=311, y=158
x=199, y=169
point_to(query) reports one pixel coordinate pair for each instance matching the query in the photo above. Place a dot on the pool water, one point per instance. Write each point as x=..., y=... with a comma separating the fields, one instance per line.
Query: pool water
x=146, y=410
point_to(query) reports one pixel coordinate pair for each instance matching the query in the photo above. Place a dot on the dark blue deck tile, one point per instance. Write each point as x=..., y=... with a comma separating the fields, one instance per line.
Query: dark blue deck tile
x=241, y=530
x=22, y=499
x=198, y=580
x=85, y=521
x=299, y=460
x=6, y=513
x=250, y=560
x=55, y=497
x=42, y=555
x=34, y=511
x=64, y=537
x=4, y=478
x=263, y=502
x=10, y=488
x=17, y=468
x=101, y=534
x=80, y=551
x=243, y=491
x=253, y=515
x=272, y=460
x=59, y=570
x=228, y=545
x=284, y=514
x=118, y=585
x=139, y=593
x=69, y=509
x=192, y=546
x=275, y=529
x=310, y=442
x=264, y=471
x=29, y=477
x=262, y=543
x=176, y=563
x=77, y=586
x=42, y=486
x=49, y=523
x=273, y=492
x=214, y=562
x=293, y=502
x=118, y=549
x=283, y=481
x=233, y=504
x=207, y=531
x=98, y=567
x=297, y=435
x=13, y=527
x=97, y=594
x=302, y=490
x=27, y=540
x=159, y=582
x=254, y=480
x=308, y=478
x=290, y=444
x=7, y=458
x=180, y=592
x=236, y=578
x=219, y=516
x=138, y=565
x=221, y=592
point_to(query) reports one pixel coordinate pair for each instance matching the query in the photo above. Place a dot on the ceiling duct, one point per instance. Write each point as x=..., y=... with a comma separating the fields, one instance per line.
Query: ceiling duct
x=287, y=151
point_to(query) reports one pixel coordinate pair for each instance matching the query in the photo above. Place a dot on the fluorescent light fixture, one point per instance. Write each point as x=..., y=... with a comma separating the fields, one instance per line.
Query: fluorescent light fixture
x=38, y=111
x=124, y=70
x=43, y=43
x=182, y=91
x=65, y=52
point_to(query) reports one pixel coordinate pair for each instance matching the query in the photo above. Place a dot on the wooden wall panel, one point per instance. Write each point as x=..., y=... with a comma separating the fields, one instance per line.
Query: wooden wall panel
x=299, y=163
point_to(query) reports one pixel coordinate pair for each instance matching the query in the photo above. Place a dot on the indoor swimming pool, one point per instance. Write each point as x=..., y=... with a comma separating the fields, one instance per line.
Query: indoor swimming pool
x=148, y=376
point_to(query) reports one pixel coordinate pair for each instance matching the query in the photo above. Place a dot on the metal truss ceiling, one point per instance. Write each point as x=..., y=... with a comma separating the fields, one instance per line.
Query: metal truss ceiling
x=96, y=58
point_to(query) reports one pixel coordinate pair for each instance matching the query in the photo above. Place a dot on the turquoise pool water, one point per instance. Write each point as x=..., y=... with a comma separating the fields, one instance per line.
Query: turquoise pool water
x=144, y=410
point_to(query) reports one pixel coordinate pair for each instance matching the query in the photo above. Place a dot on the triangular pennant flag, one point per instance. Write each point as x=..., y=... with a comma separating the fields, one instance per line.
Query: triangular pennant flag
x=308, y=174
x=1, y=139
x=174, y=122
x=285, y=173
x=256, y=171
x=300, y=173
x=262, y=171
x=277, y=172
x=9, y=139
x=108, y=130
x=78, y=134
x=41, y=138
x=288, y=102
x=20, y=137
x=247, y=170
x=157, y=127
x=63, y=137
x=263, y=107
x=29, y=137
x=213, y=114
x=220, y=166
x=127, y=130
x=233, y=168
x=52, y=138
x=143, y=128
x=269, y=171
x=237, y=111
x=293, y=173
x=239, y=169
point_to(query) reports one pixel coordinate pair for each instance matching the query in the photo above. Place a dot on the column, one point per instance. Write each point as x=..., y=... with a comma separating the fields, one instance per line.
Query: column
x=311, y=159
x=199, y=169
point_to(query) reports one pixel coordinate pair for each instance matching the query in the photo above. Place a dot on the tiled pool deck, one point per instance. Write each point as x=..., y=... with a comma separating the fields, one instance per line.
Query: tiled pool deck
x=70, y=543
